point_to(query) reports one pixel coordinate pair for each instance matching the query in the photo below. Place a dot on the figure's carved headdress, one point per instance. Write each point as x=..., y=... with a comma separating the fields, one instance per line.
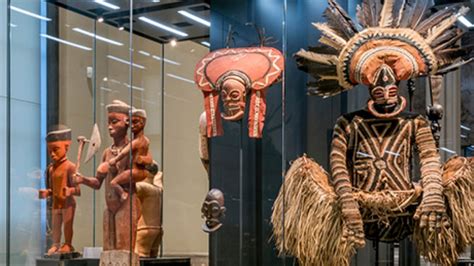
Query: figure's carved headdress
x=257, y=67
x=402, y=34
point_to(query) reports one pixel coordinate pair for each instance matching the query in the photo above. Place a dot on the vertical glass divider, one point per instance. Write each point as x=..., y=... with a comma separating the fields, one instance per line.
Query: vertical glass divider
x=162, y=161
x=130, y=158
x=283, y=110
x=8, y=138
x=94, y=115
x=241, y=193
x=43, y=120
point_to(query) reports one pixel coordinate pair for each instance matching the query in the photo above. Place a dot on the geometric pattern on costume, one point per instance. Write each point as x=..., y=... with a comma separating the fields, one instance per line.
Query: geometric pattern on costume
x=262, y=66
x=379, y=152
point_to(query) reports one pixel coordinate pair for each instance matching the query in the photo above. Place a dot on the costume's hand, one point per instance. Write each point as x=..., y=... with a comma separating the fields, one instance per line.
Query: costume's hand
x=353, y=228
x=78, y=178
x=432, y=212
x=44, y=193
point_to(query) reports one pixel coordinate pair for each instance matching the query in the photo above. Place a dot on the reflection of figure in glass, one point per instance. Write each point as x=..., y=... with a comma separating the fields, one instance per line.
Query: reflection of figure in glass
x=139, y=147
x=60, y=187
x=149, y=229
x=371, y=192
x=117, y=216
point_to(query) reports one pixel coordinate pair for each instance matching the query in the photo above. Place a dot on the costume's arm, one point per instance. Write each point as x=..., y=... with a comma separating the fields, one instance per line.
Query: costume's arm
x=432, y=208
x=342, y=181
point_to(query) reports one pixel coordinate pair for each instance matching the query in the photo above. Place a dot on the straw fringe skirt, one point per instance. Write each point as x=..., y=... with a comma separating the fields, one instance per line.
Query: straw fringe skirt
x=307, y=221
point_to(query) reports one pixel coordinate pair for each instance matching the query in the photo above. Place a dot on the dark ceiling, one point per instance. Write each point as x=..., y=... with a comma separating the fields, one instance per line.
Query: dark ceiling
x=162, y=11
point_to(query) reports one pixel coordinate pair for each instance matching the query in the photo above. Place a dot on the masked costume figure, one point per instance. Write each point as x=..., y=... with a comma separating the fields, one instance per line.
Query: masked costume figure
x=370, y=193
x=235, y=74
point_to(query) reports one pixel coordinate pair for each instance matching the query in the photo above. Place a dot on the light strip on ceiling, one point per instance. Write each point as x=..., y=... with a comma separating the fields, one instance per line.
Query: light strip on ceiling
x=465, y=128
x=124, y=61
x=465, y=21
x=180, y=78
x=134, y=87
x=28, y=13
x=106, y=4
x=206, y=44
x=66, y=42
x=167, y=60
x=164, y=27
x=195, y=18
x=98, y=37
x=144, y=53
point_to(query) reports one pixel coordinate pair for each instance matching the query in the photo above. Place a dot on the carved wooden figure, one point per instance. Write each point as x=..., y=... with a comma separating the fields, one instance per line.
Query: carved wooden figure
x=120, y=217
x=140, y=155
x=61, y=189
x=149, y=229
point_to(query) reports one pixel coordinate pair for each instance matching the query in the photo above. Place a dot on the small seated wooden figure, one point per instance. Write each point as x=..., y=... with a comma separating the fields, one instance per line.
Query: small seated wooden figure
x=140, y=155
x=149, y=227
x=61, y=189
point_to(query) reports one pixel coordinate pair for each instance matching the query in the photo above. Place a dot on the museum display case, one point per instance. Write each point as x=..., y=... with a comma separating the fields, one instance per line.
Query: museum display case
x=202, y=132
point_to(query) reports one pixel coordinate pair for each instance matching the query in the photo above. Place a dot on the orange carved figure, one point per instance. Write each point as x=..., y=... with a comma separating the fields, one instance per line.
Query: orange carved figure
x=61, y=189
x=140, y=155
x=120, y=216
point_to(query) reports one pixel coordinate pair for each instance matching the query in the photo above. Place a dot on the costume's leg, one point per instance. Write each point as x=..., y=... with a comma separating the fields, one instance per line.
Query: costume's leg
x=306, y=217
x=56, y=226
x=68, y=220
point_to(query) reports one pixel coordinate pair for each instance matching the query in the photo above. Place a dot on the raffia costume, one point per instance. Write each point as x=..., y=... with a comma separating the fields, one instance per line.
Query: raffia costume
x=321, y=220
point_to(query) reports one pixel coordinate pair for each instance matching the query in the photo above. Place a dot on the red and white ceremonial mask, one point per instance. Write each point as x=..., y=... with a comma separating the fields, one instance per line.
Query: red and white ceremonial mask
x=236, y=73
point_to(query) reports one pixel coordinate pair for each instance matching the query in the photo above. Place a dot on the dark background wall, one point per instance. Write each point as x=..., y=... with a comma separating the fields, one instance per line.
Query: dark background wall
x=249, y=171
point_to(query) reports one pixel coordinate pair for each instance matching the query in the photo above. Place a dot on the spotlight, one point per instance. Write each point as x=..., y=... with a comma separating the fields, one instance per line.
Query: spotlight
x=121, y=28
x=100, y=19
x=173, y=42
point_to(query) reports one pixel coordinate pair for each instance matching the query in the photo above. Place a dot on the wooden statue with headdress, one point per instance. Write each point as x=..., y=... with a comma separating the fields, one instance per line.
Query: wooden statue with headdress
x=321, y=218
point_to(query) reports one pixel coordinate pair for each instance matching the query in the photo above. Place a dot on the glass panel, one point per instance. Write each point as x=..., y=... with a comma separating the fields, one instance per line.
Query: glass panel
x=185, y=179
x=3, y=130
x=26, y=132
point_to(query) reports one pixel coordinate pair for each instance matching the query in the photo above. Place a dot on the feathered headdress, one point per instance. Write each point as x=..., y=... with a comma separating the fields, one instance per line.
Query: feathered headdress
x=403, y=34
x=261, y=66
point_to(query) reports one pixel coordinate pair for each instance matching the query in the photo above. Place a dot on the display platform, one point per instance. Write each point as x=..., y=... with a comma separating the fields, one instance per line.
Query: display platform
x=170, y=261
x=67, y=262
x=166, y=261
